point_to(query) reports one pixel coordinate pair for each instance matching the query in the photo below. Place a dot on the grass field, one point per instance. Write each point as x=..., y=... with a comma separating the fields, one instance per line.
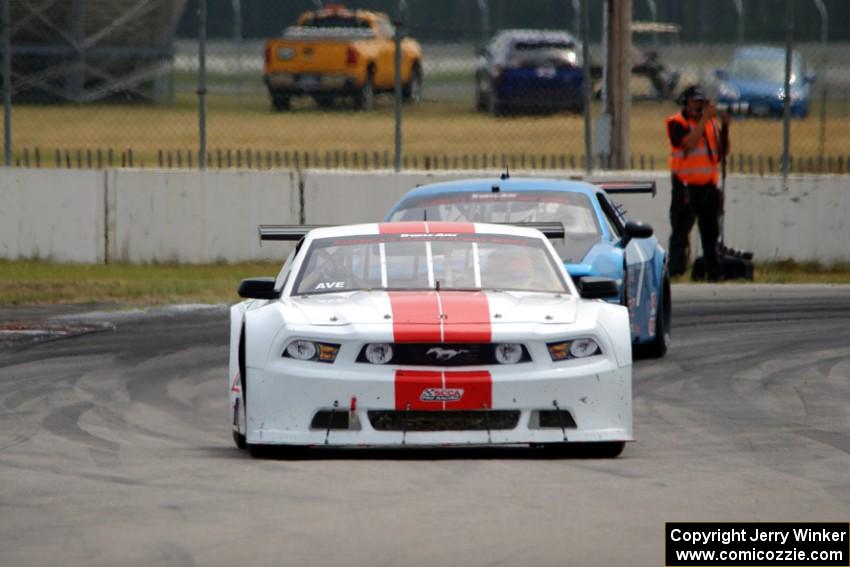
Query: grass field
x=29, y=282
x=433, y=129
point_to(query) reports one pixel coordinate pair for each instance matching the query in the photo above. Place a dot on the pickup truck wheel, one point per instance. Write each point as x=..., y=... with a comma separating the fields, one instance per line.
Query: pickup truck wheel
x=280, y=102
x=412, y=91
x=365, y=99
x=324, y=101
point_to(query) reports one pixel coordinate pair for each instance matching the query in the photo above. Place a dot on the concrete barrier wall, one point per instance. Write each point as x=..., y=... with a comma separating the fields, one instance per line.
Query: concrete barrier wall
x=810, y=220
x=52, y=214
x=197, y=217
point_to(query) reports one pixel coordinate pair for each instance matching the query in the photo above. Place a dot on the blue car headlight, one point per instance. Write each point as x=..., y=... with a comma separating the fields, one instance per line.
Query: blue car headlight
x=726, y=90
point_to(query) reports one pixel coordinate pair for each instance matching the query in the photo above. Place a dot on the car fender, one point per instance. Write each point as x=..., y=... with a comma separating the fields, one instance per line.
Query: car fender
x=262, y=326
x=613, y=321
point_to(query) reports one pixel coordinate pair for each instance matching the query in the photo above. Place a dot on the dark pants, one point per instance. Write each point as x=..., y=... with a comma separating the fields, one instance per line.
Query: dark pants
x=690, y=203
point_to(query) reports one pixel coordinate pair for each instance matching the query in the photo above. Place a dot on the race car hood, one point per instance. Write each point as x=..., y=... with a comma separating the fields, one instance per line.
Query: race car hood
x=425, y=308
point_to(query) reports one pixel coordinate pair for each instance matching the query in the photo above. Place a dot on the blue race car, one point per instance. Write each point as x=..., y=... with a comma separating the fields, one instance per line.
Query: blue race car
x=754, y=83
x=601, y=242
x=531, y=70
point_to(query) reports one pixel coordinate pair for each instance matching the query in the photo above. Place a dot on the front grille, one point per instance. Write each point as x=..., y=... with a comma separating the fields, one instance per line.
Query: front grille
x=443, y=354
x=386, y=420
x=550, y=418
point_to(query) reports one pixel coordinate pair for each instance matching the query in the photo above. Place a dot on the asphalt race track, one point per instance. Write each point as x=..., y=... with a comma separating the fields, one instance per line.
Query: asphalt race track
x=115, y=448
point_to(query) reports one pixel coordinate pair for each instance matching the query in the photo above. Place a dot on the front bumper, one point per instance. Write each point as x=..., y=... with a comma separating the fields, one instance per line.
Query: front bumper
x=308, y=84
x=283, y=402
x=762, y=107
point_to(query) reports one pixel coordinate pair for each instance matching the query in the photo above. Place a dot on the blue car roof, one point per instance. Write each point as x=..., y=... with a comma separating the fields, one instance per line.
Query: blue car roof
x=514, y=185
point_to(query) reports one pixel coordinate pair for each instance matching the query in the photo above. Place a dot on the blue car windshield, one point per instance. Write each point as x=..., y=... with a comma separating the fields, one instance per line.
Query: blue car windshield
x=574, y=210
x=763, y=68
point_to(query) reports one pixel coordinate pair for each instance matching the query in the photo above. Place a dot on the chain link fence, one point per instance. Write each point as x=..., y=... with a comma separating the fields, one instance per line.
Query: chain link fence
x=99, y=83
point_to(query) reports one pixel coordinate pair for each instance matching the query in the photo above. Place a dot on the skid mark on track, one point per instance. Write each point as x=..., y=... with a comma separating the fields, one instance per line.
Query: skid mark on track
x=65, y=422
x=839, y=441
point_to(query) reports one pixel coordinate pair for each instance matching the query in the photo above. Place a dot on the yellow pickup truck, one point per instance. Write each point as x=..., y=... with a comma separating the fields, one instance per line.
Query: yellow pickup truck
x=336, y=52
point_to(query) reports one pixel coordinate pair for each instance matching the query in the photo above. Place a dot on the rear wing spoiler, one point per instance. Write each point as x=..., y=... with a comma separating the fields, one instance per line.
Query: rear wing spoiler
x=295, y=232
x=615, y=187
x=286, y=232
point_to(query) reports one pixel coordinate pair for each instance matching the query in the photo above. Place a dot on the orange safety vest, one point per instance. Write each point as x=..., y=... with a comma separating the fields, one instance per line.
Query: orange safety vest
x=697, y=166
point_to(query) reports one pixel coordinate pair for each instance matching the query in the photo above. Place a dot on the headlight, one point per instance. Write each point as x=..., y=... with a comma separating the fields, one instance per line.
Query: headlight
x=582, y=348
x=508, y=353
x=795, y=93
x=577, y=348
x=728, y=91
x=309, y=350
x=379, y=353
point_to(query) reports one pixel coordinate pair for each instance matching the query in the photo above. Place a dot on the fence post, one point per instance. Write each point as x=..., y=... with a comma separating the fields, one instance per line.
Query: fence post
x=7, y=84
x=587, y=85
x=397, y=81
x=786, y=111
x=202, y=85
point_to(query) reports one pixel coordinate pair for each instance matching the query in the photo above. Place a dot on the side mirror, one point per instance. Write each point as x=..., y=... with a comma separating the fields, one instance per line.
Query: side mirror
x=635, y=229
x=597, y=288
x=258, y=288
x=721, y=74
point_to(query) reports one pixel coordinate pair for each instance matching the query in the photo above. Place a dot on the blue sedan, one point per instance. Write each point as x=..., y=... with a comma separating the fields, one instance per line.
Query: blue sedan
x=754, y=83
x=601, y=242
x=529, y=70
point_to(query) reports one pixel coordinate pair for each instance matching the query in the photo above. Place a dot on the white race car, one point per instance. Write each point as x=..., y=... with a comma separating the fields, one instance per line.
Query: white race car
x=427, y=333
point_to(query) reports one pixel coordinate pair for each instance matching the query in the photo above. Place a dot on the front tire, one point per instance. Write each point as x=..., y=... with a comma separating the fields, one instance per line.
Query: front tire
x=324, y=101
x=365, y=99
x=280, y=102
x=494, y=106
x=412, y=91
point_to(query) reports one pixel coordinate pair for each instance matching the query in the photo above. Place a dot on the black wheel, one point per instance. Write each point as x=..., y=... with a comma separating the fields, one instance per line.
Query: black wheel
x=494, y=106
x=324, y=101
x=259, y=451
x=412, y=91
x=280, y=102
x=606, y=450
x=595, y=450
x=658, y=347
x=365, y=99
x=239, y=438
x=481, y=86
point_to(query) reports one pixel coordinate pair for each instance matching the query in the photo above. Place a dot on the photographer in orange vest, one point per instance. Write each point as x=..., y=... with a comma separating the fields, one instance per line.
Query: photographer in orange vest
x=696, y=145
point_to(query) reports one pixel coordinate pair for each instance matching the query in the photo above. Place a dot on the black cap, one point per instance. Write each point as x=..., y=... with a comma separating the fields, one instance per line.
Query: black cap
x=695, y=92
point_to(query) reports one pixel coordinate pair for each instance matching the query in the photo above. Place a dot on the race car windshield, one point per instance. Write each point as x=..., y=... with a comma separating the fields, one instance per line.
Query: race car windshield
x=574, y=210
x=428, y=262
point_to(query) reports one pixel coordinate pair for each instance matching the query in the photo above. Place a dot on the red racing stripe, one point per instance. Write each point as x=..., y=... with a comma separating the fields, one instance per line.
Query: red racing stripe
x=423, y=389
x=428, y=227
x=409, y=385
x=477, y=389
x=401, y=228
x=416, y=316
x=466, y=317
